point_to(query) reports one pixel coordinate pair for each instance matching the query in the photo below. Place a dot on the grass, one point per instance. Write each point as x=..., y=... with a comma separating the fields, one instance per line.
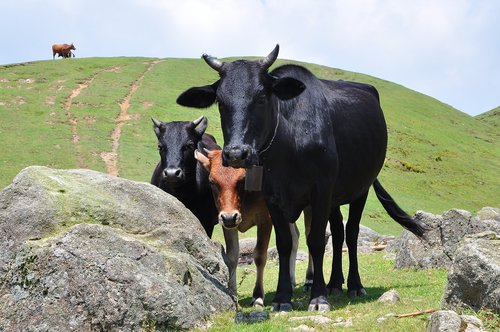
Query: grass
x=419, y=290
x=438, y=158
x=491, y=117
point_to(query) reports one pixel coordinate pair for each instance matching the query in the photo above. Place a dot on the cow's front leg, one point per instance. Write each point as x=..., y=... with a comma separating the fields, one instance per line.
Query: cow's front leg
x=283, y=298
x=232, y=253
x=260, y=258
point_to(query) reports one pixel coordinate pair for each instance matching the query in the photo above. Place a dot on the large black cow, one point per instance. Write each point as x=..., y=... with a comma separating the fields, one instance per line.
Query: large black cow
x=321, y=145
x=179, y=174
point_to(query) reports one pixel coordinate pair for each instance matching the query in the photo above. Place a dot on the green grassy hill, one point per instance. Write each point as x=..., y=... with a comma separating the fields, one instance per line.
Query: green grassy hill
x=66, y=114
x=95, y=113
x=492, y=117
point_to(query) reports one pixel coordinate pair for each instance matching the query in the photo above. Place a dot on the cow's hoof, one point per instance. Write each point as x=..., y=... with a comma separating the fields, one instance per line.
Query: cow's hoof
x=361, y=292
x=308, y=285
x=258, y=302
x=279, y=307
x=319, y=304
x=336, y=292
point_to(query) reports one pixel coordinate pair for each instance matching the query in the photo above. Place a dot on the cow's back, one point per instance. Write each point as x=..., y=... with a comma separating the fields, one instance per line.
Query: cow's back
x=346, y=117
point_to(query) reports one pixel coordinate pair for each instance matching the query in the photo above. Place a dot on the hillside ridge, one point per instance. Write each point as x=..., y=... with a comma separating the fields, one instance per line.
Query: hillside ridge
x=63, y=113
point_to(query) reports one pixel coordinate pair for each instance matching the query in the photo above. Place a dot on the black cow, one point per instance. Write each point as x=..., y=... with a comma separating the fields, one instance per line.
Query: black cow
x=321, y=145
x=178, y=172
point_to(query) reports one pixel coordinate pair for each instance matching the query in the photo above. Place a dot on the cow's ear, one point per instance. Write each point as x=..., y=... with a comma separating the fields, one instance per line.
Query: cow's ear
x=198, y=97
x=287, y=88
x=202, y=159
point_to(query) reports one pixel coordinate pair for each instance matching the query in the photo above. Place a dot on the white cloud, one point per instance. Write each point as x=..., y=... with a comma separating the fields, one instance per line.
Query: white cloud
x=443, y=48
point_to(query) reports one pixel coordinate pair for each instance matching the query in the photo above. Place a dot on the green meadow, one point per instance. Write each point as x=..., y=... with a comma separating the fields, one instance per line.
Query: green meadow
x=72, y=113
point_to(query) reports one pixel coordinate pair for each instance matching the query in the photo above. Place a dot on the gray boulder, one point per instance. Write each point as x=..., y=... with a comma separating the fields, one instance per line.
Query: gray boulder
x=450, y=321
x=445, y=321
x=81, y=250
x=444, y=234
x=474, y=276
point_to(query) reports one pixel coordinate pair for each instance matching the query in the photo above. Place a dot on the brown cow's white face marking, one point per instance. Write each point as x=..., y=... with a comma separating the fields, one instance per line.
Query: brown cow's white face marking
x=227, y=186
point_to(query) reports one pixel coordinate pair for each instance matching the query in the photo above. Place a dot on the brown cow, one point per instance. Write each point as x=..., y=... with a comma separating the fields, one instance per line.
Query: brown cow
x=239, y=210
x=63, y=50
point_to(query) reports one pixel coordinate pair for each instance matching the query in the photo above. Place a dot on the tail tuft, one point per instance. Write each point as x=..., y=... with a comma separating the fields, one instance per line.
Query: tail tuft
x=396, y=213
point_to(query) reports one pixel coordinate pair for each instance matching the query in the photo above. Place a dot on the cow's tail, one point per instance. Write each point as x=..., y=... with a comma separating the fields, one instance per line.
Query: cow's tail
x=396, y=213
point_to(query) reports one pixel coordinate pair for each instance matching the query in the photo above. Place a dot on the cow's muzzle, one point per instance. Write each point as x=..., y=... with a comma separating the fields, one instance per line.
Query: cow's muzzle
x=230, y=220
x=173, y=174
x=238, y=156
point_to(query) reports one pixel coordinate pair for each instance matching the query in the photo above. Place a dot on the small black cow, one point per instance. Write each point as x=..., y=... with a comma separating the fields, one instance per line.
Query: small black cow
x=178, y=172
x=321, y=145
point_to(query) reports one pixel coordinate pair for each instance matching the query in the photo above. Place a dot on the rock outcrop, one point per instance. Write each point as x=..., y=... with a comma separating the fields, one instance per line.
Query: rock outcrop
x=81, y=250
x=474, y=276
x=444, y=234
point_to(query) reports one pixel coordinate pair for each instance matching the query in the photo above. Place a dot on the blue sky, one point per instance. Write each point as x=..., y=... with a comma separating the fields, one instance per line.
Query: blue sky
x=448, y=49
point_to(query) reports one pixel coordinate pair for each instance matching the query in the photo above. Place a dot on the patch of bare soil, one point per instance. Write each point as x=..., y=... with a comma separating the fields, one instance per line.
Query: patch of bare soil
x=20, y=100
x=147, y=104
x=50, y=101
x=72, y=120
x=110, y=158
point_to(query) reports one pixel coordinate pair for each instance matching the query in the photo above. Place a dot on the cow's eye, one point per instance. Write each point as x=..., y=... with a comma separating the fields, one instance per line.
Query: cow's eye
x=189, y=146
x=261, y=99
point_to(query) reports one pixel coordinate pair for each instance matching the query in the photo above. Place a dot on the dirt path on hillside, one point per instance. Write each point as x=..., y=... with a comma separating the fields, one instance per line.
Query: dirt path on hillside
x=111, y=158
x=72, y=120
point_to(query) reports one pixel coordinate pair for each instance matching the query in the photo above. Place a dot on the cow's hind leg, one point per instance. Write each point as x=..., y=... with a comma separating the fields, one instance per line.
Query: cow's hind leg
x=337, y=229
x=260, y=259
x=310, y=267
x=283, y=298
x=316, y=244
x=354, y=286
x=294, y=231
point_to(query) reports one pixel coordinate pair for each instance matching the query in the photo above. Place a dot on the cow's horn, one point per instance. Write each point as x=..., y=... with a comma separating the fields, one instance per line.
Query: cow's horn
x=156, y=122
x=269, y=60
x=200, y=125
x=212, y=62
x=197, y=121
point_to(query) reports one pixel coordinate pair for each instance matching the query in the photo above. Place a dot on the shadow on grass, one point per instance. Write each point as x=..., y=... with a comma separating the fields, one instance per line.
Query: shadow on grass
x=300, y=300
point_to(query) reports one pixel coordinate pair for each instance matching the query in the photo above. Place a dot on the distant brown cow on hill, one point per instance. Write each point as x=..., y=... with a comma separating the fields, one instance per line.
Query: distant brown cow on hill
x=63, y=50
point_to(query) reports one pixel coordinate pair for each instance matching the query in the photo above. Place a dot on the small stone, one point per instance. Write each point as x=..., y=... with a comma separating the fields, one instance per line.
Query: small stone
x=303, y=328
x=381, y=319
x=472, y=321
x=390, y=297
x=340, y=322
x=251, y=317
x=318, y=319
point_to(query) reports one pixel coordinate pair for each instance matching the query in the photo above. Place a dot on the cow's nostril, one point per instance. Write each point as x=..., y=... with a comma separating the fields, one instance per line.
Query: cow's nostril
x=173, y=174
x=244, y=153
